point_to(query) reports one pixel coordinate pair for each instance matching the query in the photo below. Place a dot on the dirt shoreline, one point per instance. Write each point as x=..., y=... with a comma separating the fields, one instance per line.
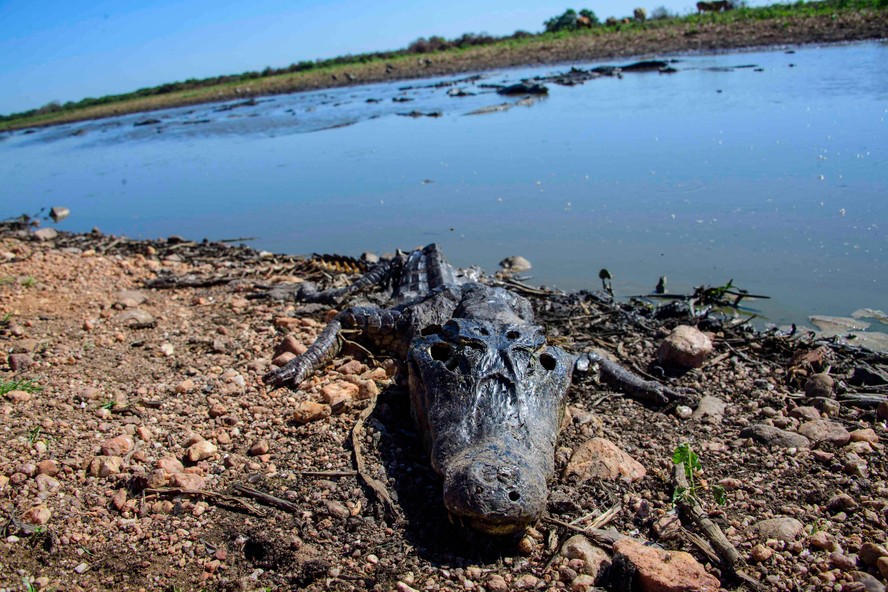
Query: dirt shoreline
x=650, y=40
x=139, y=408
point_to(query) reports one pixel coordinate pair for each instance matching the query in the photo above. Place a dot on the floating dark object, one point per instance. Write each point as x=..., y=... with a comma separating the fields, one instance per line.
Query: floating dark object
x=421, y=114
x=401, y=99
x=146, y=122
x=645, y=66
x=524, y=88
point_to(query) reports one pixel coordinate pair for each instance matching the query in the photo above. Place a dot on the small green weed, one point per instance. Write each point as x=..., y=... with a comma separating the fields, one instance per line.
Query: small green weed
x=29, y=587
x=34, y=434
x=19, y=385
x=109, y=405
x=687, y=458
x=7, y=280
x=29, y=282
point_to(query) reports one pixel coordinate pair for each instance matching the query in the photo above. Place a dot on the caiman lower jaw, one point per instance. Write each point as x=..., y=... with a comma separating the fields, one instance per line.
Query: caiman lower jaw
x=491, y=527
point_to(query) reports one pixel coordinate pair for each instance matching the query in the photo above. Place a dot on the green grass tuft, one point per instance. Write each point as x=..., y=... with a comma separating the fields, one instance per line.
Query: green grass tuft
x=19, y=385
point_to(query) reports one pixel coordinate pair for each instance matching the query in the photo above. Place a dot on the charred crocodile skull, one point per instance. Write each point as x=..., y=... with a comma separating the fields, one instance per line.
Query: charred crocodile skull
x=489, y=398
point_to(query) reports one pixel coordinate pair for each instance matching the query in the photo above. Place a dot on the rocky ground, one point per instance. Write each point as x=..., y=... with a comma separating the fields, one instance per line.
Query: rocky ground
x=136, y=432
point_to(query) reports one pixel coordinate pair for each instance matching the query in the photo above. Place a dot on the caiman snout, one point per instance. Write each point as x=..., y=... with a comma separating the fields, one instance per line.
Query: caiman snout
x=494, y=491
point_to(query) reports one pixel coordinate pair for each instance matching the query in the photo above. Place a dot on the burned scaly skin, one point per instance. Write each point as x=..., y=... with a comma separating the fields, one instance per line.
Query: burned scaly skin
x=487, y=393
x=489, y=398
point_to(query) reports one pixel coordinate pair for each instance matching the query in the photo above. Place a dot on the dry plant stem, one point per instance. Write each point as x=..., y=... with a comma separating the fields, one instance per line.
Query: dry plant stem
x=375, y=484
x=327, y=473
x=720, y=544
x=209, y=495
x=606, y=517
x=691, y=509
x=267, y=498
x=602, y=537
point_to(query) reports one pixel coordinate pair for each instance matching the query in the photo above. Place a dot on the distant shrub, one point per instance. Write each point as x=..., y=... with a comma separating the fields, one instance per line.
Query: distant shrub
x=660, y=13
x=589, y=15
x=565, y=22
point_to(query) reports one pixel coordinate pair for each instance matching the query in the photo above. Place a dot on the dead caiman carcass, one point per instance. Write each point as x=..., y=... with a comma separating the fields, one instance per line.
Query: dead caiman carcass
x=487, y=391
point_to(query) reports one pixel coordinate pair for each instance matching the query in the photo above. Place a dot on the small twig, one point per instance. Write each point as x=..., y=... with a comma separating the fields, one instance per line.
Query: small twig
x=725, y=552
x=375, y=484
x=267, y=498
x=602, y=537
x=606, y=517
x=327, y=473
x=228, y=499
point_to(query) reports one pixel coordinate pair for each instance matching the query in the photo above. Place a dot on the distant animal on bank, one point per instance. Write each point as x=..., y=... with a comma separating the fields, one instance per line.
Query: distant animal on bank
x=626, y=20
x=611, y=21
x=584, y=22
x=640, y=14
x=718, y=6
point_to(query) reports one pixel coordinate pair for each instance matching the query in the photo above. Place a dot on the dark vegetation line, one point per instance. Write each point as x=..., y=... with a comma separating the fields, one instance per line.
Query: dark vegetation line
x=570, y=23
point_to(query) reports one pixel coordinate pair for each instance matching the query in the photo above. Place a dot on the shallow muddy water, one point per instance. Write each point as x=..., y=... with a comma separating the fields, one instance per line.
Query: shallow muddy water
x=769, y=168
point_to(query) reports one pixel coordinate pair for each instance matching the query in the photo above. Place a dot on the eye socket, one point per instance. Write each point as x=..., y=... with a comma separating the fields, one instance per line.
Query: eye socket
x=548, y=361
x=440, y=351
x=430, y=330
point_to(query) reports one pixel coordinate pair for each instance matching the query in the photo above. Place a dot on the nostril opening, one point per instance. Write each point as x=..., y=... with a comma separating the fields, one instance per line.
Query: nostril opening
x=514, y=496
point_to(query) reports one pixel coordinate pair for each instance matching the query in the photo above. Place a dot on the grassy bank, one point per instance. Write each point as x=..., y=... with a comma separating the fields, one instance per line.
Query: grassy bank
x=814, y=22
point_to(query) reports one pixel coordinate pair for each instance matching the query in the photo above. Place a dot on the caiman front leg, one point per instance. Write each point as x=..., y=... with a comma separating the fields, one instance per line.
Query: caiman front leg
x=379, y=325
x=634, y=385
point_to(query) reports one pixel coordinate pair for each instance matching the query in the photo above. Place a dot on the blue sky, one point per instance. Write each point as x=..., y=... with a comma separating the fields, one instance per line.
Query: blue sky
x=66, y=50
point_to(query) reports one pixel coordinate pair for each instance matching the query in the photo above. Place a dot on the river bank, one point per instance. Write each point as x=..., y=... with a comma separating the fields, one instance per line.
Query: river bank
x=707, y=33
x=133, y=408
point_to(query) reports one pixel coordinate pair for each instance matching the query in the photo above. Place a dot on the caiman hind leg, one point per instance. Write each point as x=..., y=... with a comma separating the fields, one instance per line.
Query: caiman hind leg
x=632, y=384
x=381, y=326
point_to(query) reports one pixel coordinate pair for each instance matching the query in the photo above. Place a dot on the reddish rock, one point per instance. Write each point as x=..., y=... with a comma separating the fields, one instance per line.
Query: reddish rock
x=259, y=448
x=864, y=435
x=103, y=466
x=283, y=359
x=820, y=385
x=338, y=390
x=119, y=499
x=352, y=367
x=186, y=386
x=594, y=558
x=290, y=345
x=19, y=362
x=805, y=413
x=665, y=571
x=118, y=446
x=38, y=515
x=599, y=458
x=18, y=396
x=824, y=430
x=217, y=410
x=187, y=481
x=782, y=528
x=200, y=451
x=46, y=483
x=686, y=346
x=48, y=467
x=170, y=465
x=308, y=411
